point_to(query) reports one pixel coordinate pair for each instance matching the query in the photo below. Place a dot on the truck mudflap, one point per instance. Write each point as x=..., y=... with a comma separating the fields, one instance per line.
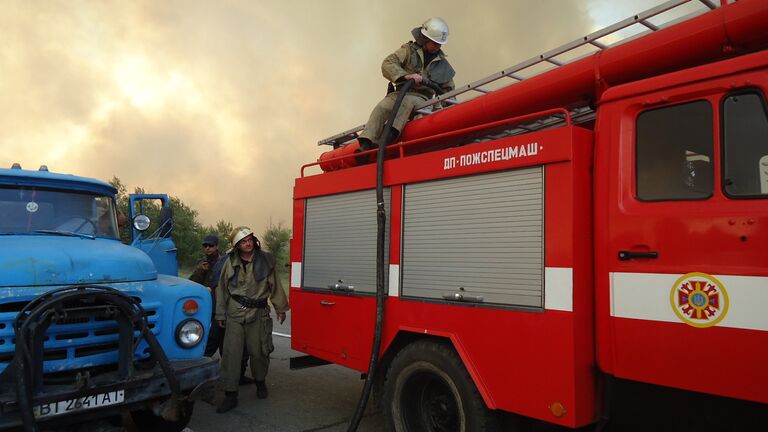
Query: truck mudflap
x=28, y=397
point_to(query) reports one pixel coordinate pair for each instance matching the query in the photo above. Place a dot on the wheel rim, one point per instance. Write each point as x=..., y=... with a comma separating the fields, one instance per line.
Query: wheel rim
x=427, y=403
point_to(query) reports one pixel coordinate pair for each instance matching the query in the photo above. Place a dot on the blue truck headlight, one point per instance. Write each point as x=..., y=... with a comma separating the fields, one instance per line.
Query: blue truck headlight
x=189, y=333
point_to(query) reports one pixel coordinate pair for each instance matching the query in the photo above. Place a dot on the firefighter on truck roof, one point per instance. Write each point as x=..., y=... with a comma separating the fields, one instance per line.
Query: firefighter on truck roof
x=248, y=279
x=418, y=59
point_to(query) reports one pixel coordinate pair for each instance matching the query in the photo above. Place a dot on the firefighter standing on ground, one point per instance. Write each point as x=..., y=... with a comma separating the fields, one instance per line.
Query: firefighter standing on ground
x=416, y=60
x=247, y=280
x=207, y=273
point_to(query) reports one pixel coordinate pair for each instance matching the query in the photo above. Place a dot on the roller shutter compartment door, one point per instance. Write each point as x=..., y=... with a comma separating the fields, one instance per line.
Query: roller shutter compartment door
x=480, y=236
x=340, y=241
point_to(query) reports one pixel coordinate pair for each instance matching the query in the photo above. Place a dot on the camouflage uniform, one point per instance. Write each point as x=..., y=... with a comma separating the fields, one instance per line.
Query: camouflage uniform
x=407, y=60
x=247, y=326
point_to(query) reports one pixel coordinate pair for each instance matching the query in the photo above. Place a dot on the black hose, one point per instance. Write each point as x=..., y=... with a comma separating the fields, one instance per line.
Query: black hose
x=433, y=85
x=381, y=224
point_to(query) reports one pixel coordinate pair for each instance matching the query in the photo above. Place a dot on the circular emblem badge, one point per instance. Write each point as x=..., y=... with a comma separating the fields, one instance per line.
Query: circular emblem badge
x=699, y=299
x=32, y=206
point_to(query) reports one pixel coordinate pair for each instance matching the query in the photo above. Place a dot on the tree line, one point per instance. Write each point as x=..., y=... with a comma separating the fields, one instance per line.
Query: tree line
x=188, y=232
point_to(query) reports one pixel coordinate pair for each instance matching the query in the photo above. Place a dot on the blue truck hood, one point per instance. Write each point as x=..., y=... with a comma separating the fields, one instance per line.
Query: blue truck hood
x=34, y=260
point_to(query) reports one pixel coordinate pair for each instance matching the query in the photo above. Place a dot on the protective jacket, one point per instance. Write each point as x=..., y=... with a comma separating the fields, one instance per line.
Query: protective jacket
x=405, y=61
x=256, y=281
x=410, y=59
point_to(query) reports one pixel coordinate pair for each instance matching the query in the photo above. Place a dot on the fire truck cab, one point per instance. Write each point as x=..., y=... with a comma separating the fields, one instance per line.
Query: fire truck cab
x=543, y=273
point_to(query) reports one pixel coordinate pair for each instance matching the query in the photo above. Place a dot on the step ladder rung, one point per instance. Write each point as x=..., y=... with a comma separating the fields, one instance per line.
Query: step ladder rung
x=598, y=44
x=554, y=62
x=649, y=25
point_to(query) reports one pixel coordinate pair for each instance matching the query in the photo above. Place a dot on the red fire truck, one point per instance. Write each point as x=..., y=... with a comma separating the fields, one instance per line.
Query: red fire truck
x=586, y=239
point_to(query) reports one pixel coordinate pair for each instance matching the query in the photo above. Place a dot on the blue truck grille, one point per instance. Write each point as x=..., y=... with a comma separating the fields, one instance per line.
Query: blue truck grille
x=74, y=343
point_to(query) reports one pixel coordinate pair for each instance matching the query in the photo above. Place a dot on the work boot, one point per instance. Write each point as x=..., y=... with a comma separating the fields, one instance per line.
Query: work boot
x=261, y=390
x=365, y=145
x=229, y=402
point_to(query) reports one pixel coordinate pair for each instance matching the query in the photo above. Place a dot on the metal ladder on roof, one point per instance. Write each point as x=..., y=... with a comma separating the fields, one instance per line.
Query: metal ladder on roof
x=551, y=59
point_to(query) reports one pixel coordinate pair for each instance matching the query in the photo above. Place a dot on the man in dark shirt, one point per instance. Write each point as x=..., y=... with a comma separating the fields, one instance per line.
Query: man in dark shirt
x=205, y=274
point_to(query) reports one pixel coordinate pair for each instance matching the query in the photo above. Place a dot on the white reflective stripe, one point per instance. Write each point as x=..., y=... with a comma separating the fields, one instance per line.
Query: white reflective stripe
x=646, y=296
x=295, y=275
x=558, y=288
x=394, y=280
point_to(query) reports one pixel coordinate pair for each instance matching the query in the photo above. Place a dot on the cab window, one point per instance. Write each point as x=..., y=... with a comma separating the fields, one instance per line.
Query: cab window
x=745, y=146
x=47, y=211
x=674, y=153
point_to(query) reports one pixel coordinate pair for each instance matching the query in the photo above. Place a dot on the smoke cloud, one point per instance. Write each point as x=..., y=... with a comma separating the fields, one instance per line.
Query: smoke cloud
x=221, y=103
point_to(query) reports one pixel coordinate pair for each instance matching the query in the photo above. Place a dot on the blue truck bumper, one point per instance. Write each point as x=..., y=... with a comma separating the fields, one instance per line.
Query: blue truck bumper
x=144, y=390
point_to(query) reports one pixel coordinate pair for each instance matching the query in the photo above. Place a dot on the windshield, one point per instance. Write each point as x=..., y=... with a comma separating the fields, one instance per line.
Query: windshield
x=25, y=209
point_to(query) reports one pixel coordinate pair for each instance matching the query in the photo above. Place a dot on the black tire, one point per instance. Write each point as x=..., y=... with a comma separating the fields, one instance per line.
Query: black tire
x=428, y=389
x=146, y=420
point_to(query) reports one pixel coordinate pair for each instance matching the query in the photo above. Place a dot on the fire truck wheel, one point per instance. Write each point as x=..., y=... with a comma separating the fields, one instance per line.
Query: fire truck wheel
x=146, y=420
x=428, y=389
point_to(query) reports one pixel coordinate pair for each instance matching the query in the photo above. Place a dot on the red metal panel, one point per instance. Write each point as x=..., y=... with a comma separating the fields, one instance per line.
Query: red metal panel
x=522, y=361
x=297, y=237
x=724, y=68
x=557, y=210
x=337, y=328
x=552, y=146
x=523, y=366
x=728, y=361
x=395, y=224
x=582, y=253
x=690, y=236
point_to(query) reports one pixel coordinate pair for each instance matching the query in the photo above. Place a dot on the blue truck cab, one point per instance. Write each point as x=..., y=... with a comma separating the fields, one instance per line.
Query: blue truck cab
x=90, y=329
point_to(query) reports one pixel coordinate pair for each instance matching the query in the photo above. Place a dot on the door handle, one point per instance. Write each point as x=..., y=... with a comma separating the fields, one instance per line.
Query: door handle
x=628, y=255
x=327, y=303
x=461, y=297
x=341, y=286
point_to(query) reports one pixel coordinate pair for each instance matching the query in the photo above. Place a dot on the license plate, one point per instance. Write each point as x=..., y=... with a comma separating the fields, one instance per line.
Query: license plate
x=78, y=404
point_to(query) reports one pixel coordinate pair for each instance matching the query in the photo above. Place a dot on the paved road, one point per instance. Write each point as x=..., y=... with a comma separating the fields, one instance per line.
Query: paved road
x=316, y=399
x=324, y=398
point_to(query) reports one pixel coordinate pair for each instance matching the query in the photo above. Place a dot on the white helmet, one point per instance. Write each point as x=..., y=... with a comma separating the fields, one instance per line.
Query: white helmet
x=436, y=29
x=239, y=233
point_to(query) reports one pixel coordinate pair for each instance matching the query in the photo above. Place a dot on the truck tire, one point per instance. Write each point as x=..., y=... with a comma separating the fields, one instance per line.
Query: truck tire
x=428, y=389
x=146, y=420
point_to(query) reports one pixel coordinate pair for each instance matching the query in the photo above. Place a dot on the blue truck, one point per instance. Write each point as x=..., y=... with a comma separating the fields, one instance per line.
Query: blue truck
x=93, y=330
